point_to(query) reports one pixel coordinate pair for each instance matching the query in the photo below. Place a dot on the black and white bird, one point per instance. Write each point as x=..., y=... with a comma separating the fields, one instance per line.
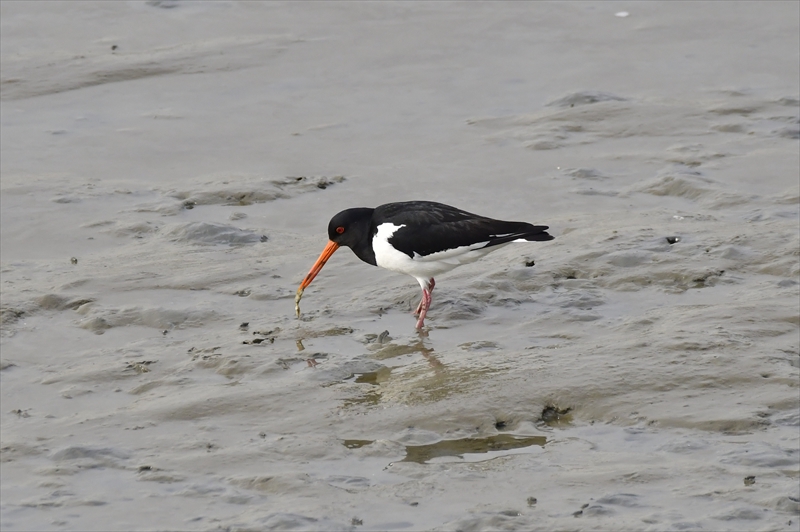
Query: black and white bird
x=419, y=238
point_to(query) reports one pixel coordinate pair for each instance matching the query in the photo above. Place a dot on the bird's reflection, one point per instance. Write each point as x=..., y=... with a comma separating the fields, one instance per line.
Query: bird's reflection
x=427, y=352
x=383, y=348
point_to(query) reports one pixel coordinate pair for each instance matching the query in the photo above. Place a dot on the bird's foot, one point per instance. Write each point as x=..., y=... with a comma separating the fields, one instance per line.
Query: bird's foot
x=431, y=286
x=424, y=305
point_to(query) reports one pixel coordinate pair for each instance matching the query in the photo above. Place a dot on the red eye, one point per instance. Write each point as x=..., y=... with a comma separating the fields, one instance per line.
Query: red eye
x=340, y=230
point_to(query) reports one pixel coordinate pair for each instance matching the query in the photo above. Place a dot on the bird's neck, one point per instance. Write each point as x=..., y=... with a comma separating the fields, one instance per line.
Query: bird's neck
x=363, y=249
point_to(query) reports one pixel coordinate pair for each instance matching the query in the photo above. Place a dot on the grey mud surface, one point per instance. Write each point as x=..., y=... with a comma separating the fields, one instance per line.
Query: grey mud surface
x=168, y=172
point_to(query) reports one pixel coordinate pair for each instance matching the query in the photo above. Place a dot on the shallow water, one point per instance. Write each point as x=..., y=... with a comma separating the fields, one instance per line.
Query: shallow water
x=639, y=372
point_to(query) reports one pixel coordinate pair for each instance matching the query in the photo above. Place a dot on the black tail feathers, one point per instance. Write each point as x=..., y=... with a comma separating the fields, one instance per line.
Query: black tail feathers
x=538, y=233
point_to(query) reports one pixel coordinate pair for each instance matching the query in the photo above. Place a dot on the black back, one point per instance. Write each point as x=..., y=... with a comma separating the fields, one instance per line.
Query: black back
x=431, y=227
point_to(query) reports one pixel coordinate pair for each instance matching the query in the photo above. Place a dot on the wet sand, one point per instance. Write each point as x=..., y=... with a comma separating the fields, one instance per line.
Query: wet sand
x=168, y=173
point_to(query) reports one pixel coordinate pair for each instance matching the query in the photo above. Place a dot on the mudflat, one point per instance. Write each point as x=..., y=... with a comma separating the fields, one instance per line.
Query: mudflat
x=168, y=172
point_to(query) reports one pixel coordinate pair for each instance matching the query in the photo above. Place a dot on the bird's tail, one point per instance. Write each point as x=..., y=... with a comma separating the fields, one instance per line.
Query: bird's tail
x=537, y=233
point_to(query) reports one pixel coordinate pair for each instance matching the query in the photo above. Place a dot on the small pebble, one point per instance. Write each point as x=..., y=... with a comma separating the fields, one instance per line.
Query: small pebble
x=74, y=260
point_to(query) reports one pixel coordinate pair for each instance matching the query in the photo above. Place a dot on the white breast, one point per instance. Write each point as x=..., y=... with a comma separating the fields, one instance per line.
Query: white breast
x=385, y=255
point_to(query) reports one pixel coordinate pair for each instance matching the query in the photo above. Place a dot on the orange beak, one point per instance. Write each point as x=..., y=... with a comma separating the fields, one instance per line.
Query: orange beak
x=323, y=258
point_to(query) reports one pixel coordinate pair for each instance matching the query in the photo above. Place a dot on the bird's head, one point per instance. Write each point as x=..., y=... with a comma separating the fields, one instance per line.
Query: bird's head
x=348, y=228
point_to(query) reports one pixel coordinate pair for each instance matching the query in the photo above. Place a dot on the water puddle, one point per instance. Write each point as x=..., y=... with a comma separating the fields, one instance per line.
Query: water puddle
x=356, y=444
x=471, y=449
x=374, y=377
x=464, y=449
x=392, y=350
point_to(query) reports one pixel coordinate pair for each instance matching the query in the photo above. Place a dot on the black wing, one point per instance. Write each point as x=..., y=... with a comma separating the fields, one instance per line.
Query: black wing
x=432, y=227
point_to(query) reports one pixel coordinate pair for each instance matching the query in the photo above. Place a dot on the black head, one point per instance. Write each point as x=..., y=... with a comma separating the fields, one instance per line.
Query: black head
x=353, y=228
x=350, y=227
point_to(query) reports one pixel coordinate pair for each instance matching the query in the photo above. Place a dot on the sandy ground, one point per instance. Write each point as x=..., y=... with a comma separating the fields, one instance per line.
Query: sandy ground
x=168, y=172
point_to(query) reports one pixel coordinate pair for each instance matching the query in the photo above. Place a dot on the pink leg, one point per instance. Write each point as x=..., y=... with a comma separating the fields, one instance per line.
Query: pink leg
x=425, y=304
x=432, y=284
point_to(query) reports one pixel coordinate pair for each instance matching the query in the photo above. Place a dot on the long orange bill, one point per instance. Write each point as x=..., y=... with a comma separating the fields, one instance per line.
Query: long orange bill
x=323, y=258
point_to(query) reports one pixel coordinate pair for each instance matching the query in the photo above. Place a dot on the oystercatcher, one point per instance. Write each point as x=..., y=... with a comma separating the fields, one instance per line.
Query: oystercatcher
x=421, y=239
